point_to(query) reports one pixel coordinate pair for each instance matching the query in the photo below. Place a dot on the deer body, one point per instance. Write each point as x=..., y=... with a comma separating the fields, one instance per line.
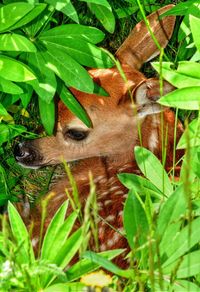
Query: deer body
x=107, y=148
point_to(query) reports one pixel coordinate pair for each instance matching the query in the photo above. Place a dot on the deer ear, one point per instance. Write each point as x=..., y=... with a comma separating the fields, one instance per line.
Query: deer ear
x=139, y=47
x=146, y=95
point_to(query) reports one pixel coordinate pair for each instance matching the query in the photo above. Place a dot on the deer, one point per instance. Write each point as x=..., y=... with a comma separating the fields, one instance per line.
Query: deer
x=106, y=149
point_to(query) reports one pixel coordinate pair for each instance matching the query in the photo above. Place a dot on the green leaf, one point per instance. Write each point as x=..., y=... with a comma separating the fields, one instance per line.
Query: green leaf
x=185, y=98
x=185, y=286
x=83, y=52
x=135, y=221
x=68, y=249
x=190, y=136
x=171, y=211
x=74, y=31
x=185, y=240
x=103, y=11
x=25, y=252
x=14, y=70
x=8, y=132
x=31, y=15
x=47, y=114
x=180, y=8
x=12, y=13
x=189, y=266
x=73, y=105
x=26, y=96
x=169, y=219
x=195, y=24
x=65, y=287
x=16, y=42
x=3, y=111
x=106, y=264
x=9, y=87
x=141, y=185
x=66, y=7
x=49, y=242
x=86, y=266
x=153, y=169
x=186, y=75
x=45, y=85
x=126, y=11
x=64, y=247
x=67, y=69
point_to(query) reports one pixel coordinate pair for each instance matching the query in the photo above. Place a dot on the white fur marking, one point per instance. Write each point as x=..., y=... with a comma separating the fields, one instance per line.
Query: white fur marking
x=110, y=218
x=153, y=140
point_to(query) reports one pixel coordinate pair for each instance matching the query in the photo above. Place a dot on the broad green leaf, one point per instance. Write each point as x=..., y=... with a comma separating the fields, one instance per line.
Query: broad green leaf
x=60, y=240
x=180, y=8
x=73, y=105
x=37, y=9
x=47, y=114
x=66, y=287
x=171, y=211
x=26, y=96
x=34, y=27
x=126, y=11
x=188, y=169
x=135, y=221
x=69, y=249
x=103, y=11
x=9, y=87
x=141, y=185
x=64, y=252
x=169, y=219
x=16, y=42
x=185, y=98
x=195, y=24
x=14, y=70
x=86, y=266
x=185, y=286
x=98, y=90
x=45, y=84
x=66, y=7
x=12, y=13
x=192, y=133
x=184, y=241
x=52, y=230
x=153, y=169
x=67, y=69
x=74, y=31
x=104, y=3
x=106, y=264
x=25, y=252
x=186, y=75
x=189, y=266
x=83, y=52
x=3, y=111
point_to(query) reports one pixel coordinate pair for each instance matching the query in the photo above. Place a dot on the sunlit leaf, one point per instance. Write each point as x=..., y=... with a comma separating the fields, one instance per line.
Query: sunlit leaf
x=185, y=98
x=14, y=70
x=16, y=42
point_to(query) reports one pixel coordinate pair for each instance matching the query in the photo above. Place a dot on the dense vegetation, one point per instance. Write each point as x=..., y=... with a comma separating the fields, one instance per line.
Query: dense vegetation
x=38, y=61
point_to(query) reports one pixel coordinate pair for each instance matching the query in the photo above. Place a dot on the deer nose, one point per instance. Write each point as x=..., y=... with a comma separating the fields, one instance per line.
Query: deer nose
x=25, y=154
x=21, y=152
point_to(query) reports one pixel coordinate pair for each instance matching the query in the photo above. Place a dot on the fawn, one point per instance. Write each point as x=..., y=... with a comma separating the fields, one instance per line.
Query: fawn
x=106, y=149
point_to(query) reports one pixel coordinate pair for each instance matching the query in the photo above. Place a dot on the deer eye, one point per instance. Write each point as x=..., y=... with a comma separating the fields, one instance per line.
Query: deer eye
x=75, y=134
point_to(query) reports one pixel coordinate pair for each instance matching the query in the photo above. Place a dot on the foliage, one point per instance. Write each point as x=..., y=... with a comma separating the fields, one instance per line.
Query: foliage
x=43, y=48
x=20, y=270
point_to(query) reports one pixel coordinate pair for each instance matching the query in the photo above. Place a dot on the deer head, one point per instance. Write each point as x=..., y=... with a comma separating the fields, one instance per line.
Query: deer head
x=115, y=119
